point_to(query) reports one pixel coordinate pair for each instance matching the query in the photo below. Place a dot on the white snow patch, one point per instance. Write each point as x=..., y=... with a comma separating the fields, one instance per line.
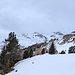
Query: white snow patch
x=46, y=65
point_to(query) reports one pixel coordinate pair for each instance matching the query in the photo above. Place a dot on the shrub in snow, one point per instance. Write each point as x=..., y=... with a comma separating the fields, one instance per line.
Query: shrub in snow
x=62, y=52
x=32, y=62
x=16, y=70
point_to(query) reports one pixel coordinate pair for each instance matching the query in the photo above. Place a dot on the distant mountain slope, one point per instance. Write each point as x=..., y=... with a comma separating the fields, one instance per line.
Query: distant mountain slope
x=46, y=65
x=28, y=40
x=62, y=42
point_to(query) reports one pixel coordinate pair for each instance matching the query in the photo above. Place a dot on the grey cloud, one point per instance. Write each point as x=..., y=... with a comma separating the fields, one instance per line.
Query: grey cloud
x=43, y=16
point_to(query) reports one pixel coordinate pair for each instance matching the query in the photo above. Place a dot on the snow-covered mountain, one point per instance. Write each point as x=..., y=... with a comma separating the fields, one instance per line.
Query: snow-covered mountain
x=46, y=65
x=28, y=40
x=62, y=42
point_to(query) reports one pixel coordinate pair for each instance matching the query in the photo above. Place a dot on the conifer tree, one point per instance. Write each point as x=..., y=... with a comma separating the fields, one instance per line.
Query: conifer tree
x=10, y=48
x=31, y=53
x=26, y=54
x=52, y=49
x=9, y=52
x=43, y=51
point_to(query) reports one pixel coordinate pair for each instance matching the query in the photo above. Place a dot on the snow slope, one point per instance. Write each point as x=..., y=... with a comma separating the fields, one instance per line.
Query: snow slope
x=46, y=65
x=28, y=40
x=64, y=47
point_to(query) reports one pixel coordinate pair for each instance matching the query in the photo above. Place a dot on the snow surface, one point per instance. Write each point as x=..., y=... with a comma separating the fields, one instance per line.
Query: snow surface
x=60, y=64
x=64, y=47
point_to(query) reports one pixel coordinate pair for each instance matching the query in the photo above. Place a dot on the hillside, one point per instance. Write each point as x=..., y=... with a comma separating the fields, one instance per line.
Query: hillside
x=46, y=65
x=62, y=41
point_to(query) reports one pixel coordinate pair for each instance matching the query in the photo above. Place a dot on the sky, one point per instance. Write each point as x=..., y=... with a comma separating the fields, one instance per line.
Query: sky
x=44, y=16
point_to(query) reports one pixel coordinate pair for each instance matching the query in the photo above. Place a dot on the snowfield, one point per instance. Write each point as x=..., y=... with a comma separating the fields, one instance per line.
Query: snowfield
x=60, y=64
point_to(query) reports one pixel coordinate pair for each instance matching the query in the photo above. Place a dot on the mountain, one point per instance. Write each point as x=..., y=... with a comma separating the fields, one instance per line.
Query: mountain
x=28, y=40
x=46, y=65
x=61, y=41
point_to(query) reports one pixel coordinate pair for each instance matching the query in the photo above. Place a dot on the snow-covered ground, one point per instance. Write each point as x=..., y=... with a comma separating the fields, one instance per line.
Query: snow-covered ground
x=60, y=64
x=64, y=47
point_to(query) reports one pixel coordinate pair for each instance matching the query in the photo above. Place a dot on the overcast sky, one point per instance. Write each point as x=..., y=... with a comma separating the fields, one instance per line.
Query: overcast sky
x=44, y=16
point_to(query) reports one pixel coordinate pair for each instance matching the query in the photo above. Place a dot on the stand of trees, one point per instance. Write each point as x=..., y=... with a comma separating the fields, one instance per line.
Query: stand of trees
x=28, y=53
x=9, y=54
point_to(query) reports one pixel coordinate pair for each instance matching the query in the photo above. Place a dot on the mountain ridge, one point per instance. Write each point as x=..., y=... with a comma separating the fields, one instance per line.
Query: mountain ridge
x=61, y=41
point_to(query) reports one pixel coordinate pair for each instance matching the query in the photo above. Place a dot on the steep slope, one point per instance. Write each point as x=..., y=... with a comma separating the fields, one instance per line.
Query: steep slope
x=28, y=40
x=46, y=65
x=62, y=42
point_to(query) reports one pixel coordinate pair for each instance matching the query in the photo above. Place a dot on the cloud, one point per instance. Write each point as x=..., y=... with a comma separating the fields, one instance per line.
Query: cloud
x=44, y=16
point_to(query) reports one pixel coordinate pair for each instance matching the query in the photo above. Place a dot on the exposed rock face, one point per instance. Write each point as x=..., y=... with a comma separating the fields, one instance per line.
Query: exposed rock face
x=37, y=48
x=72, y=49
x=68, y=38
x=41, y=36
